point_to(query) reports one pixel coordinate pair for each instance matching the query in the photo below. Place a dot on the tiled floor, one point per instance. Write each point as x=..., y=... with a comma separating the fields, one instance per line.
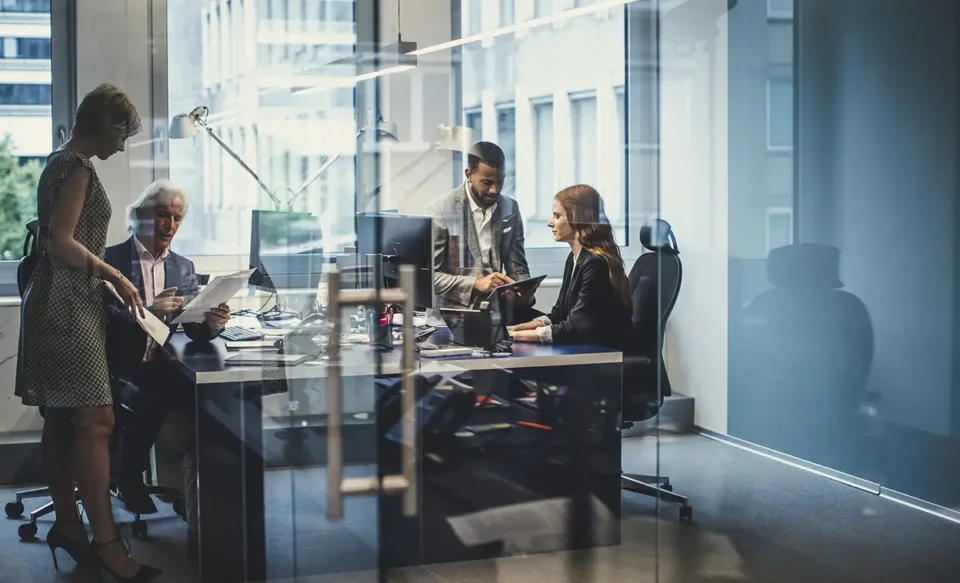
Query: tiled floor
x=755, y=520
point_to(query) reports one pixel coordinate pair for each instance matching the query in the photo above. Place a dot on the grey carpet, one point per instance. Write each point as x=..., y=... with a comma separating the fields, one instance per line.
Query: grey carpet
x=755, y=520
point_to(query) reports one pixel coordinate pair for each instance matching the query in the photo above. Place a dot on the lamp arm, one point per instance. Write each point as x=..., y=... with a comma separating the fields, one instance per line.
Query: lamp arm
x=239, y=160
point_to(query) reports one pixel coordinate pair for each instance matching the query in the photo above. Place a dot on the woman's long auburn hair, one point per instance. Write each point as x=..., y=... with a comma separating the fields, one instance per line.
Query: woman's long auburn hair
x=584, y=208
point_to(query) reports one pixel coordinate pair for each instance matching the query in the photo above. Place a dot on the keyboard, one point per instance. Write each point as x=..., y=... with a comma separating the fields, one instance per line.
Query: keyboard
x=455, y=351
x=238, y=334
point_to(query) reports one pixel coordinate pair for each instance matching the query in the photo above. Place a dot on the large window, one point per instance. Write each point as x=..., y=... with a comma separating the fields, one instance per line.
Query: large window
x=552, y=89
x=29, y=112
x=262, y=80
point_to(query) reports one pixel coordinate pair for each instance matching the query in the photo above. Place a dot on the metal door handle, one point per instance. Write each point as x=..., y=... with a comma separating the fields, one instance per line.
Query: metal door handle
x=406, y=482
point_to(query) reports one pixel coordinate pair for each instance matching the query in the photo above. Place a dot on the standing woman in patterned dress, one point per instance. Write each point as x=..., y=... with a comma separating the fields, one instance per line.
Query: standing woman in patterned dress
x=62, y=363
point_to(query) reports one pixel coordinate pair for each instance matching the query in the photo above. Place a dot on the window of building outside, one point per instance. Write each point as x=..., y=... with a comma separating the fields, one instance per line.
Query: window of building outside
x=33, y=48
x=507, y=140
x=542, y=8
x=290, y=111
x=543, y=154
x=27, y=110
x=475, y=18
x=779, y=227
x=780, y=9
x=25, y=6
x=474, y=121
x=507, y=12
x=24, y=94
x=557, y=93
x=584, y=124
x=780, y=114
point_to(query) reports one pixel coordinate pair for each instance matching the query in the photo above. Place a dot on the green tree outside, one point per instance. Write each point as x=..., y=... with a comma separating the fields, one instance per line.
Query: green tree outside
x=18, y=199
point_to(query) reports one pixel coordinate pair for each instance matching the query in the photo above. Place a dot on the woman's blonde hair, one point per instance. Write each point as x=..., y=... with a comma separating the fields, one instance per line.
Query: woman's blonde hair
x=106, y=108
x=584, y=209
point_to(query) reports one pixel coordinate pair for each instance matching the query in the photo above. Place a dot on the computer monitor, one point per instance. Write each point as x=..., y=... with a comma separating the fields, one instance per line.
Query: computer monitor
x=403, y=240
x=286, y=249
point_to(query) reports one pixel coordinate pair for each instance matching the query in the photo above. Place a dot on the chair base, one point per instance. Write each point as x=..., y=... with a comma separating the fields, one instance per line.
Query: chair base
x=657, y=487
x=139, y=526
x=28, y=530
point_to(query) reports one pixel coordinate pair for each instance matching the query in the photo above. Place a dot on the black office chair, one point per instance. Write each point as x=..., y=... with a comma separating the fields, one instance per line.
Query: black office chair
x=28, y=530
x=655, y=281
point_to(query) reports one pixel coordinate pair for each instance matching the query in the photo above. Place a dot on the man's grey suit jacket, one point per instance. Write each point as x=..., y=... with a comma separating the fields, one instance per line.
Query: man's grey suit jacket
x=456, y=267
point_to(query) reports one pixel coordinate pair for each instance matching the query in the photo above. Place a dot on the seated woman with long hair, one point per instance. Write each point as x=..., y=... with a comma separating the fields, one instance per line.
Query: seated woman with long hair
x=594, y=306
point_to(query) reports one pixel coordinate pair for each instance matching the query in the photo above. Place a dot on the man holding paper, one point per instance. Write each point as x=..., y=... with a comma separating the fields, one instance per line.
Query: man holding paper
x=166, y=282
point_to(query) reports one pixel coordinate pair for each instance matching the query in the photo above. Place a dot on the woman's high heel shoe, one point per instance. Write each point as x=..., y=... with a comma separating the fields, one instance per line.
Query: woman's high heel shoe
x=58, y=539
x=144, y=575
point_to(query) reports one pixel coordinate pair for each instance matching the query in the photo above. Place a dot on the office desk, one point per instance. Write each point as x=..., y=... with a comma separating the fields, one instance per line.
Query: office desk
x=230, y=457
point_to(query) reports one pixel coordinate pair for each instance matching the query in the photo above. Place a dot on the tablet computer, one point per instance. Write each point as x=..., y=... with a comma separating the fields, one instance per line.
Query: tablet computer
x=524, y=286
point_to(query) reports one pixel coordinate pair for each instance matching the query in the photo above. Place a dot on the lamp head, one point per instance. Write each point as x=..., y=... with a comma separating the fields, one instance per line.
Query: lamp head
x=184, y=125
x=387, y=130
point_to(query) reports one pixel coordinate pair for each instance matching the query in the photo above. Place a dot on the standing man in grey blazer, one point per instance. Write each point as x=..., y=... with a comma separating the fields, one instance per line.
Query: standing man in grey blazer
x=478, y=235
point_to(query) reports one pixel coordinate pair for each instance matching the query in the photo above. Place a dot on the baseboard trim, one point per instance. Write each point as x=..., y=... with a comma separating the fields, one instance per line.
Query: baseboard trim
x=859, y=483
x=835, y=475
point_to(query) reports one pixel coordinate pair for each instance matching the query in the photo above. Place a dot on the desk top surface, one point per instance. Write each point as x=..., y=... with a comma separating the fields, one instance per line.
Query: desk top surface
x=203, y=361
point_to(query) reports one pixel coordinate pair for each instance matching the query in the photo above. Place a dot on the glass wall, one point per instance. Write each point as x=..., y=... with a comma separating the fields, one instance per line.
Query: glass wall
x=842, y=222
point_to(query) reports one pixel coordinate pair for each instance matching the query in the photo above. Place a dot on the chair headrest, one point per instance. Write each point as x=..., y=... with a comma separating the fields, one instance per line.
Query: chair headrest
x=807, y=265
x=657, y=235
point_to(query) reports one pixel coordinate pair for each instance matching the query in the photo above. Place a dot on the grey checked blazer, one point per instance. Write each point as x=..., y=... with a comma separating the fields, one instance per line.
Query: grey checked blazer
x=453, y=286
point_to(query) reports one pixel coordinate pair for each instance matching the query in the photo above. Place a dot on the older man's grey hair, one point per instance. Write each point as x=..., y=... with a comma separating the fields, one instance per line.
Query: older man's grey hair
x=148, y=198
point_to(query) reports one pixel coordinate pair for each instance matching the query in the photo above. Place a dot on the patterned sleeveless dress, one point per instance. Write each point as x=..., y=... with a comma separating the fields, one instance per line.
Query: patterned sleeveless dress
x=62, y=360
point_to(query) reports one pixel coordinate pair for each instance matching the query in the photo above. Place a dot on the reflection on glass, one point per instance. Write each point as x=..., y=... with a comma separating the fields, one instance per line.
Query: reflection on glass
x=558, y=109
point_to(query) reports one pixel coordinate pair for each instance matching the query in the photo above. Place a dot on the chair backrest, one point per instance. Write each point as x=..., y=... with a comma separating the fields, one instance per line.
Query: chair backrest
x=655, y=282
x=30, y=256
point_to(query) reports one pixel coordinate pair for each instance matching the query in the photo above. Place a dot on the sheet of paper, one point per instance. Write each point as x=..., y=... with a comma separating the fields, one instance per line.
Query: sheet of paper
x=220, y=290
x=152, y=325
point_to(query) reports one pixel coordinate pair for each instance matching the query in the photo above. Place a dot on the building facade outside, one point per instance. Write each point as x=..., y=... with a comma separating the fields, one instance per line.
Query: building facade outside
x=25, y=77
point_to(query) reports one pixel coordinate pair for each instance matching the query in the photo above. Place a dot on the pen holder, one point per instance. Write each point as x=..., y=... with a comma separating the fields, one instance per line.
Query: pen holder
x=377, y=331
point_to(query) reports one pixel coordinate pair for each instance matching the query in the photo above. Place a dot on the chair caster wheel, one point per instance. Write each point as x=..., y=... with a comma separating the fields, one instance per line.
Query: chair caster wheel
x=180, y=507
x=27, y=531
x=686, y=514
x=14, y=509
x=139, y=528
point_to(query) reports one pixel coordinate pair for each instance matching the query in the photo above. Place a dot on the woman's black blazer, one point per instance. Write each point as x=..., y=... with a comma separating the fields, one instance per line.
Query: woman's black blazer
x=588, y=310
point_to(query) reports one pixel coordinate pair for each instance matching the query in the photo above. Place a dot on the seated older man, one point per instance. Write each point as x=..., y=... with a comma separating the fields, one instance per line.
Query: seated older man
x=166, y=281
